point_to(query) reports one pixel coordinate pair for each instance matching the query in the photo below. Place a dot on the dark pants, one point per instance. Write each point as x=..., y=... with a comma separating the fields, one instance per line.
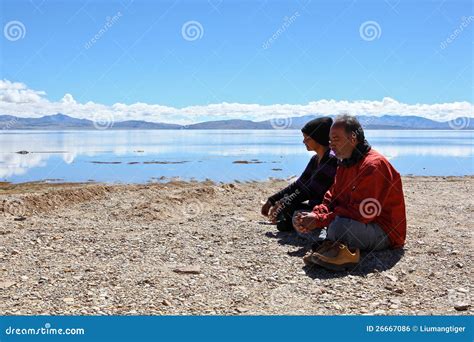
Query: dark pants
x=285, y=216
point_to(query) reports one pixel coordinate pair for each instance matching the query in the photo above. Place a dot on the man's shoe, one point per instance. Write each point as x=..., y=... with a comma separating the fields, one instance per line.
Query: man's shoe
x=315, y=246
x=337, y=258
x=309, y=259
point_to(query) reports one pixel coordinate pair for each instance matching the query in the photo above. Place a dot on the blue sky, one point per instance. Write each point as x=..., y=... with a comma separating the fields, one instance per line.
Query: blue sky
x=320, y=54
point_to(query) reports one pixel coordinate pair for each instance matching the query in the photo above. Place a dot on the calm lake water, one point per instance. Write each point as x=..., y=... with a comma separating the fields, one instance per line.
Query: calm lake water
x=142, y=156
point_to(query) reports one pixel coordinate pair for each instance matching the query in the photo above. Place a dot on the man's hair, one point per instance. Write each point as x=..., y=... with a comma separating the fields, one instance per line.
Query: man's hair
x=351, y=125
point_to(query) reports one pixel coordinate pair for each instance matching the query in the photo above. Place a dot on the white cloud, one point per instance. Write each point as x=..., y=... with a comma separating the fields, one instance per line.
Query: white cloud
x=68, y=99
x=16, y=92
x=17, y=99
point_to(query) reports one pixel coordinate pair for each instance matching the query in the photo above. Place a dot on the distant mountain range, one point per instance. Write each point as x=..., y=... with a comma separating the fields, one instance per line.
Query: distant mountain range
x=62, y=122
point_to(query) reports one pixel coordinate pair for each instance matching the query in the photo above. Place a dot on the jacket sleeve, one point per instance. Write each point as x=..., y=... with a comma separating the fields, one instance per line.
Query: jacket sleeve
x=369, y=195
x=295, y=189
x=324, y=211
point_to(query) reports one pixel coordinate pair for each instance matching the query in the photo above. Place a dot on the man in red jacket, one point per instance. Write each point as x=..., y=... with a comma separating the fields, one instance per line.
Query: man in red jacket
x=363, y=209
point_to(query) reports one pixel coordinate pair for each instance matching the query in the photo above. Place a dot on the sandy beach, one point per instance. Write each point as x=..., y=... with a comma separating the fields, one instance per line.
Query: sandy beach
x=183, y=248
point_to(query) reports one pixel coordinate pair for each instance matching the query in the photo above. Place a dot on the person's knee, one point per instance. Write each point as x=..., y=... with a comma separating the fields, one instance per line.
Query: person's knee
x=348, y=231
x=382, y=241
x=338, y=228
x=357, y=234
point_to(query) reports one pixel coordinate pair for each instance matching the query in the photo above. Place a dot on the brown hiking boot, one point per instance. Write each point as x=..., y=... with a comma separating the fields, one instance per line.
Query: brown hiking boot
x=324, y=246
x=337, y=258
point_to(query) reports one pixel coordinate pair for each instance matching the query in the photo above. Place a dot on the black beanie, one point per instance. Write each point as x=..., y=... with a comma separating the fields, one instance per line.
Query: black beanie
x=318, y=130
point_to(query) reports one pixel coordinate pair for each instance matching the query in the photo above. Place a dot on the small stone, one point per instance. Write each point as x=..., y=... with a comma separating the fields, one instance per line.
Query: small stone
x=462, y=306
x=68, y=300
x=241, y=309
x=463, y=290
x=374, y=304
x=399, y=291
x=460, y=264
x=24, y=278
x=393, y=306
x=193, y=269
x=6, y=284
x=166, y=302
x=240, y=219
x=391, y=277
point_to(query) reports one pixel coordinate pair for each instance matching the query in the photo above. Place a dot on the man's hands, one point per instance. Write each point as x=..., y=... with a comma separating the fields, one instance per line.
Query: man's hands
x=305, y=222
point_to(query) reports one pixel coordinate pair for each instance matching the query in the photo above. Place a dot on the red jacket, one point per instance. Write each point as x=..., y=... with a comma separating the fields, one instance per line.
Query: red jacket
x=368, y=191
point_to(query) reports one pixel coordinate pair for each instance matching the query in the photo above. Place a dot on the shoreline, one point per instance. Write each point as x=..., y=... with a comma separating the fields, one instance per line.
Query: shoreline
x=38, y=184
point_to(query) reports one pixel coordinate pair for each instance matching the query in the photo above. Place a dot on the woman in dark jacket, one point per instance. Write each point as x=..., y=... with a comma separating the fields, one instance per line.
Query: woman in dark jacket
x=315, y=180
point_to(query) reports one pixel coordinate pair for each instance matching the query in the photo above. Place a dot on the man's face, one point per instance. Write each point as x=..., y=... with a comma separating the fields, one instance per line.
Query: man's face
x=341, y=142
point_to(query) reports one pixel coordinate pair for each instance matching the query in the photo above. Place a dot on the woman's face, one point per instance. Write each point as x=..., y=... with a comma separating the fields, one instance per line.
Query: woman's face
x=309, y=142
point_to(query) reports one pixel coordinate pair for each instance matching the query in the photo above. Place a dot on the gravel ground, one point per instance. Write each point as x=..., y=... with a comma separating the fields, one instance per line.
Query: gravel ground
x=183, y=248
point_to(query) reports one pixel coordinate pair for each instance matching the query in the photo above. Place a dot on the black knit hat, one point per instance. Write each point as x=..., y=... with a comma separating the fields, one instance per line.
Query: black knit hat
x=318, y=130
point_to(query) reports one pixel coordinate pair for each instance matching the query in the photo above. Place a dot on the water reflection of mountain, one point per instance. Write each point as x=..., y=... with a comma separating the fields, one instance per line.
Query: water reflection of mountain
x=67, y=146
